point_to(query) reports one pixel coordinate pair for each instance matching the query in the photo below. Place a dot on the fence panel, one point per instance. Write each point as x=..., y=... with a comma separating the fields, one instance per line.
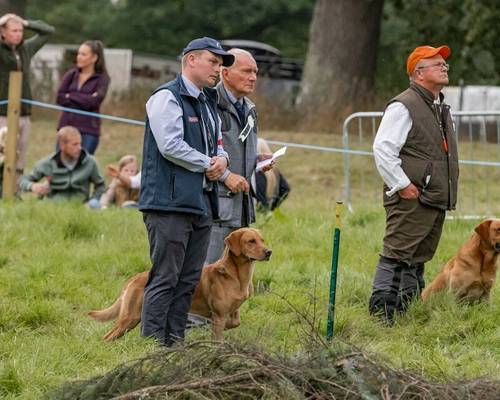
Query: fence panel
x=479, y=153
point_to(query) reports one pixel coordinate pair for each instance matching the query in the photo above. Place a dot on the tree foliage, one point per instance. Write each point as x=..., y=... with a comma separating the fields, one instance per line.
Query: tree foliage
x=469, y=27
x=165, y=27
x=12, y=6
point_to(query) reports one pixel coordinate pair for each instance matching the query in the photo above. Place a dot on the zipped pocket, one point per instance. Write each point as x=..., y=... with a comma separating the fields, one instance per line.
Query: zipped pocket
x=172, y=185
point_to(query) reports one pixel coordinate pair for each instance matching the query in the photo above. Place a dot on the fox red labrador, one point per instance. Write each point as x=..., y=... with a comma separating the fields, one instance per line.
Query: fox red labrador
x=223, y=287
x=471, y=273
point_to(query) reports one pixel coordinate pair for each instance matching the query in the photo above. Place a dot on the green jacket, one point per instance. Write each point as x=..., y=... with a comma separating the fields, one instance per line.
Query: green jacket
x=66, y=183
x=18, y=58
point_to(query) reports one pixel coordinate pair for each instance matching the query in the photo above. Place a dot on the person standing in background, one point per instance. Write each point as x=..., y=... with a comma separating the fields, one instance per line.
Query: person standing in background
x=15, y=55
x=84, y=87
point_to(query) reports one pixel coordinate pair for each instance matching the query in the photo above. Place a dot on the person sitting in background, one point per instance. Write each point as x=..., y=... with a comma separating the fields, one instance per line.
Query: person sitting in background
x=270, y=187
x=120, y=190
x=84, y=87
x=69, y=172
x=133, y=182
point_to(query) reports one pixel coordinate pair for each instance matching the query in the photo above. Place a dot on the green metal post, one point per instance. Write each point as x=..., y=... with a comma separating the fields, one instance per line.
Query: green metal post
x=333, y=275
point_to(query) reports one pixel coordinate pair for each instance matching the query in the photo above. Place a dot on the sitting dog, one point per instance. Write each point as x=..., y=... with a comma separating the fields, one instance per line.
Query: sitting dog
x=470, y=274
x=223, y=287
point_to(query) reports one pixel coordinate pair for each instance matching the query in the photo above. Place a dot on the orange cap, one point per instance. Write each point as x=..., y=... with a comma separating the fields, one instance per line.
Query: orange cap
x=422, y=52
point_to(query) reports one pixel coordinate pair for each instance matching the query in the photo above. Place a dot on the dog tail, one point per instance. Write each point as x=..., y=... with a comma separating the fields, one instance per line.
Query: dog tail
x=439, y=283
x=108, y=313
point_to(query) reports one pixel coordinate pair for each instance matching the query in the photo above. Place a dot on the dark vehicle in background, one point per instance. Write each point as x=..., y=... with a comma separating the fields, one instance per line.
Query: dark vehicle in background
x=269, y=59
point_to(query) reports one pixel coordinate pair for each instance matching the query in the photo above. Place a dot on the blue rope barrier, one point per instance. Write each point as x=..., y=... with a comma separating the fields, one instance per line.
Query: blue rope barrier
x=276, y=142
x=321, y=148
x=81, y=112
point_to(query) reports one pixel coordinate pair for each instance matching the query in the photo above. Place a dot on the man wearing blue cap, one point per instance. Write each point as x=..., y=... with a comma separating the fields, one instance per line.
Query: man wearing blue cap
x=182, y=158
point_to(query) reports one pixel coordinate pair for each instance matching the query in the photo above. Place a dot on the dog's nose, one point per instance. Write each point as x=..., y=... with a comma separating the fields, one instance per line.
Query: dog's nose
x=497, y=246
x=268, y=254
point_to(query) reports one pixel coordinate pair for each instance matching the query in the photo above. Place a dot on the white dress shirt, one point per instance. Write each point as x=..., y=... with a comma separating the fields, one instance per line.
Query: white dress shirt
x=391, y=136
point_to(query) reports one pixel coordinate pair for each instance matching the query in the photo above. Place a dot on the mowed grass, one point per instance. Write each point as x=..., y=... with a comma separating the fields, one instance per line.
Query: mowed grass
x=58, y=261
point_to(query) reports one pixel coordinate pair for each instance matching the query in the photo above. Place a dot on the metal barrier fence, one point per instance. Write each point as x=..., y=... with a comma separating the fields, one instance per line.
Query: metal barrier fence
x=477, y=131
x=479, y=139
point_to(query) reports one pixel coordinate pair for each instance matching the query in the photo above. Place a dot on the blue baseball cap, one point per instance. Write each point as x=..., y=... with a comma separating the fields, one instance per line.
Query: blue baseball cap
x=213, y=46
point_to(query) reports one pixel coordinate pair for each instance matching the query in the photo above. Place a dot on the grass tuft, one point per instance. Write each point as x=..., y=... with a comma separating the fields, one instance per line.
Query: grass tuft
x=39, y=314
x=10, y=383
x=81, y=229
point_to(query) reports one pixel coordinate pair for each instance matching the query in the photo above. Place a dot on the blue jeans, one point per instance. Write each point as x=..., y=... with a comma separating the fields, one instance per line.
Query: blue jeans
x=89, y=142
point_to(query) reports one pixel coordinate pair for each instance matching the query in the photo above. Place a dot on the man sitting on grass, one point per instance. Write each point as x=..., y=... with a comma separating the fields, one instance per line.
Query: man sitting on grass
x=68, y=173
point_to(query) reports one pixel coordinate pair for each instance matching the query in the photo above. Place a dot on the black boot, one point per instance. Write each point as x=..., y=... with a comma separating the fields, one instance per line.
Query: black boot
x=412, y=283
x=386, y=283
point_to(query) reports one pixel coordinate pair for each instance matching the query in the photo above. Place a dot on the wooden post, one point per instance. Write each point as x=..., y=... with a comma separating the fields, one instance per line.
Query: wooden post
x=13, y=114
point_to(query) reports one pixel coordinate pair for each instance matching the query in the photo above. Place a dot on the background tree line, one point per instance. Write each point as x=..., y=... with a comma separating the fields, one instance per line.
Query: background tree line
x=357, y=48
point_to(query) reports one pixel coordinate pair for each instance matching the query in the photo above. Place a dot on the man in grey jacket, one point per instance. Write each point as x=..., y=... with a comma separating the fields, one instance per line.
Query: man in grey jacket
x=239, y=138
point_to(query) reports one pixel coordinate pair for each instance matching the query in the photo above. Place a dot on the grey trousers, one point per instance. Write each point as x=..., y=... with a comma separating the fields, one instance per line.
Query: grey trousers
x=216, y=246
x=178, y=246
x=395, y=286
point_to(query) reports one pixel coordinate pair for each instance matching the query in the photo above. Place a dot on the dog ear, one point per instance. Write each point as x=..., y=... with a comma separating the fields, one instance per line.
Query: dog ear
x=233, y=242
x=483, y=229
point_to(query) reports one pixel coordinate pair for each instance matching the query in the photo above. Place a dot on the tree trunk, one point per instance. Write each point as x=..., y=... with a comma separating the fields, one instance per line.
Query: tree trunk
x=341, y=59
x=13, y=6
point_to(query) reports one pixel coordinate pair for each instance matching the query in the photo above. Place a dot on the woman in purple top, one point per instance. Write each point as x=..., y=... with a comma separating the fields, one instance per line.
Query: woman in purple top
x=84, y=88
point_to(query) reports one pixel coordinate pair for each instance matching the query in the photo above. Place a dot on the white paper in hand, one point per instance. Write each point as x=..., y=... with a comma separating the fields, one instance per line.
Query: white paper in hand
x=264, y=163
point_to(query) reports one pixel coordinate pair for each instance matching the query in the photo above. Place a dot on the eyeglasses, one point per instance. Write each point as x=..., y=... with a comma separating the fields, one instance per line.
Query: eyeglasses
x=436, y=66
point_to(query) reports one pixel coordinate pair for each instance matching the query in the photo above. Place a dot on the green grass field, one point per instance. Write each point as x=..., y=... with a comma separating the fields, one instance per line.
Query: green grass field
x=58, y=261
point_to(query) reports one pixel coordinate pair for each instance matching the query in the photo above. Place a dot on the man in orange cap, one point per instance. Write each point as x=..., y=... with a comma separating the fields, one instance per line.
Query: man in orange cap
x=415, y=152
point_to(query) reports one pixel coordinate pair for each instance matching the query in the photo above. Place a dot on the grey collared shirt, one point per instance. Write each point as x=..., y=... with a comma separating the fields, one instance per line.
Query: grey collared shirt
x=165, y=119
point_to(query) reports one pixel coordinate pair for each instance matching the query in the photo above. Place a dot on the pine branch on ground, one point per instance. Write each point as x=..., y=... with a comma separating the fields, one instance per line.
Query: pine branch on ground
x=210, y=370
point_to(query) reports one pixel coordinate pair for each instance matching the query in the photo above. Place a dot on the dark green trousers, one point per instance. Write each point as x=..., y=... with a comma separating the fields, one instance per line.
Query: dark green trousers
x=412, y=231
x=412, y=235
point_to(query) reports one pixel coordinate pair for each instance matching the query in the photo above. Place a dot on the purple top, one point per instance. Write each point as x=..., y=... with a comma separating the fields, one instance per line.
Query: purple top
x=88, y=98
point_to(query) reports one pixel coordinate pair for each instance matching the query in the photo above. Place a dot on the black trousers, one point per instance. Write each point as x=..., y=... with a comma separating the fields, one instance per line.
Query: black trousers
x=178, y=247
